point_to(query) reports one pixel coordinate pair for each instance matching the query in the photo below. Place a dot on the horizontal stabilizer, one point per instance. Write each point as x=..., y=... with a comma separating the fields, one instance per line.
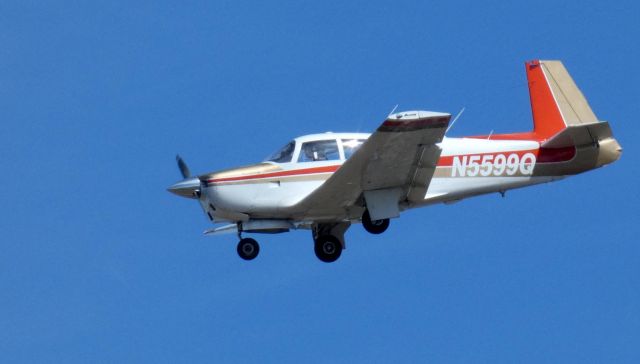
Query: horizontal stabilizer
x=578, y=135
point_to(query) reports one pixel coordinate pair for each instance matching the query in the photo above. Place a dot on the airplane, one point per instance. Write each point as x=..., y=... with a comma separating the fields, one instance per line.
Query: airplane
x=327, y=182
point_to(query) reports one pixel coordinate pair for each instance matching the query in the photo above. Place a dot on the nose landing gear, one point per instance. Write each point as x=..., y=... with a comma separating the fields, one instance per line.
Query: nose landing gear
x=248, y=248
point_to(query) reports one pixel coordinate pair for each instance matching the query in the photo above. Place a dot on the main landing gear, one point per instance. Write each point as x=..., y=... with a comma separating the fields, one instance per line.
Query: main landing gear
x=328, y=240
x=327, y=248
x=374, y=226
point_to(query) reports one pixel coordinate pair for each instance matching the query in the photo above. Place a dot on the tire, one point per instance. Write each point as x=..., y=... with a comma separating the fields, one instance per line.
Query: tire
x=375, y=226
x=248, y=248
x=328, y=248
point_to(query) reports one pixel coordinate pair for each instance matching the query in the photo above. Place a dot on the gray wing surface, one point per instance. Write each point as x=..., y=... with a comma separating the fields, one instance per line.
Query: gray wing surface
x=394, y=165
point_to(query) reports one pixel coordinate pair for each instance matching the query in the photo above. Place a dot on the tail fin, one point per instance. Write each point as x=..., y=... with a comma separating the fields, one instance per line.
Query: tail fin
x=562, y=116
x=556, y=101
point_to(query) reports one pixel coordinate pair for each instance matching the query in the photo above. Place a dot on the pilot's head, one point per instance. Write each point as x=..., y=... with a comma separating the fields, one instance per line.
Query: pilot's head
x=314, y=153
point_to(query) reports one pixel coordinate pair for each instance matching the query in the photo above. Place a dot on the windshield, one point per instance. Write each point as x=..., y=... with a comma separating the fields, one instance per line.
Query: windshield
x=283, y=155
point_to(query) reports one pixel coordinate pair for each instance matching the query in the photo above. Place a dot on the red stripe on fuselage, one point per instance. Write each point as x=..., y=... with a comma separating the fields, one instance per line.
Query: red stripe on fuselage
x=292, y=172
x=543, y=155
x=555, y=155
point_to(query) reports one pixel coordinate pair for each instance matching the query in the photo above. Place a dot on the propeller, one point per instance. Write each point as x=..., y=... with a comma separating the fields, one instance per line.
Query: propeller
x=183, y=167
x=189, y=186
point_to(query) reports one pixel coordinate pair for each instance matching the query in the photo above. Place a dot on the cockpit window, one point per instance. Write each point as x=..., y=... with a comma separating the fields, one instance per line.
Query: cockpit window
x=350, y=146
x=283, y=155
x=321, y=150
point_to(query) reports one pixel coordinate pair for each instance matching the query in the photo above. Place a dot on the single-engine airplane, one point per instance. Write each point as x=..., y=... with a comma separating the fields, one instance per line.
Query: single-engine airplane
x=326, y=182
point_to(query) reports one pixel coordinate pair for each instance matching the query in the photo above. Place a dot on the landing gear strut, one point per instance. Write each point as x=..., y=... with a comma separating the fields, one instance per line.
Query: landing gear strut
x=328, y=240
x=327, y=248
x=248, y=248
x=374, y=226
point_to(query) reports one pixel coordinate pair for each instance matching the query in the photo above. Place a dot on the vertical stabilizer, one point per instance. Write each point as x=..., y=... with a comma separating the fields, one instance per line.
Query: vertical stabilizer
x=556, y=101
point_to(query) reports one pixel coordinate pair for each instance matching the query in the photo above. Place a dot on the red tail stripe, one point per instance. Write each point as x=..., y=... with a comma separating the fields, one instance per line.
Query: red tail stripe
x=555, y=155
x=543, y=155
x=547, y=119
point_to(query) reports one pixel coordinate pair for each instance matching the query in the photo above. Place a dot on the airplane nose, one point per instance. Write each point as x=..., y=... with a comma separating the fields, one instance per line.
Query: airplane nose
x=189, y=188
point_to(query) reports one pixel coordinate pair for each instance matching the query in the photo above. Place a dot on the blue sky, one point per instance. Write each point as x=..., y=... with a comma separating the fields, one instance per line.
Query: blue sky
x=100, y=264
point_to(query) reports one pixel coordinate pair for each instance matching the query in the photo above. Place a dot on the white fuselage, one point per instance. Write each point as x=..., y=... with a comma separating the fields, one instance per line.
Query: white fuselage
x=467, y=167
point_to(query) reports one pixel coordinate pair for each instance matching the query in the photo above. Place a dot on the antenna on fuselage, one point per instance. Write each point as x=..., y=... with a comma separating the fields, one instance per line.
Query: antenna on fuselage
x=394, y=110
x=454, y=120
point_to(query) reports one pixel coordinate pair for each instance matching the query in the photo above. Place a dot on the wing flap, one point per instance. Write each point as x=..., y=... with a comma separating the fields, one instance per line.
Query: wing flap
x=425, y=164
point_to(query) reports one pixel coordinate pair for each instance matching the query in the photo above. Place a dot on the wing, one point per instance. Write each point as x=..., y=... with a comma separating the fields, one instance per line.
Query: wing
x=394, y=165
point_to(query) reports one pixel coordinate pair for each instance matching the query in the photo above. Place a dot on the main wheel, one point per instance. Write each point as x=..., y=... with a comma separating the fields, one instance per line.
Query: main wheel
x=328, y=248
x=375, y=226
x=248, y=248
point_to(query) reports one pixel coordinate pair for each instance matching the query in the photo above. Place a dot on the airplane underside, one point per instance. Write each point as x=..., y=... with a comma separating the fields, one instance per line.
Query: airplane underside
x=328, y=230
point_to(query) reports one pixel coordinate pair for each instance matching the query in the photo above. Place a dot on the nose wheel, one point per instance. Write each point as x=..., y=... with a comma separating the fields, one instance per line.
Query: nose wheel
x=248, y=248
x=328, y=248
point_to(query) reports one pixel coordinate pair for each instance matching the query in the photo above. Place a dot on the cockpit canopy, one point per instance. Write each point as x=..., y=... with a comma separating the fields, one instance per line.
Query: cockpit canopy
x=319, y=148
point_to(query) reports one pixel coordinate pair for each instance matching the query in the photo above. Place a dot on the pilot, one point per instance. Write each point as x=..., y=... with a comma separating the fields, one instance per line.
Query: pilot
x=314, y=153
